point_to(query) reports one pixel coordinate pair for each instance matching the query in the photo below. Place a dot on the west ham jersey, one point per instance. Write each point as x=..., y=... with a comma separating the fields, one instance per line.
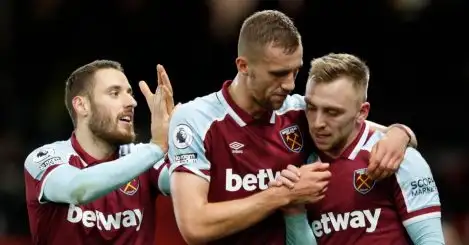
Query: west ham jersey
x=360, y=211
x=215, y=139
x=122, y=217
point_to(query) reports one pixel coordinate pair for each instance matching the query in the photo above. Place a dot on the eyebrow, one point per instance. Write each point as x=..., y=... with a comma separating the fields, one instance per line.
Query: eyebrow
x=118, y=87
x=284, y=71
x=328, y=107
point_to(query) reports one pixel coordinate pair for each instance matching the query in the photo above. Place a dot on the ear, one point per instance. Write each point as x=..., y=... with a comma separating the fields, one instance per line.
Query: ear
x=81, y=105
x=242, y=65
x=363, y=113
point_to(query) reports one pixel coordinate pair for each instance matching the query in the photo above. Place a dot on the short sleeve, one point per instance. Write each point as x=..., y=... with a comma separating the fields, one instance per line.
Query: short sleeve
x=38, y=166
x=415, y=192
x=187, y=132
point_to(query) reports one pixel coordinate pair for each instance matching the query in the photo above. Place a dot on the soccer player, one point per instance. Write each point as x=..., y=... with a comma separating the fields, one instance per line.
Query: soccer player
x=402, y=209
x=98, y=187
x=226, y=146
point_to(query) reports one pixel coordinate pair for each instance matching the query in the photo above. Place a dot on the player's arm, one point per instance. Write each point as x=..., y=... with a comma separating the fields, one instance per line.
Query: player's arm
x=417, y=200
x=395, y=130
x=159, y=175
x=426, y=232
x=199, y=220
x=398, y=129
x=298, y=231
x=63, y=183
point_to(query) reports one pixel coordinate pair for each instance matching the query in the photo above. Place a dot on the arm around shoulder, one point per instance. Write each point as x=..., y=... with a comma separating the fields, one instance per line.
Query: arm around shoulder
x=405, y=130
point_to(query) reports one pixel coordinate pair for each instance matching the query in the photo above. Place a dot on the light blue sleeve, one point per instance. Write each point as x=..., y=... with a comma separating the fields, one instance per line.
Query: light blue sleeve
x=298, y=231
x=68, y=184
x=426, y=232
x=187, y=131
x=164, y=182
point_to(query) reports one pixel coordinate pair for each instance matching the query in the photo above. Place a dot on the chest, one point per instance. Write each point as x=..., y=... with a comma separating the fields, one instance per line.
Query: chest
x=119, y=210
x=351, y=189
x=245, y=159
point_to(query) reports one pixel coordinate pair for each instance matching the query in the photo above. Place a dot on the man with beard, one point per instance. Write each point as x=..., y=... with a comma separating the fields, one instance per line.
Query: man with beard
x=239, y=138
x=97, y=186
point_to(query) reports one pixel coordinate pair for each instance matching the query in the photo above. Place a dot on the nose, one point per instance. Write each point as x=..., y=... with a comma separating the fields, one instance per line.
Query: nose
x=289, y=83
x=319, y=121
x=130, y=101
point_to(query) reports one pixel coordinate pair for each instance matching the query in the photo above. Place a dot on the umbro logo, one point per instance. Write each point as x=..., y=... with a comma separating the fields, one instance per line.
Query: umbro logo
x=236, y=147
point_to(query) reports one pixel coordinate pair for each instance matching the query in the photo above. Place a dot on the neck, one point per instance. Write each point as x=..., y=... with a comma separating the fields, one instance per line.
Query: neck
x=92, y=145
x=339, y=150
x=239, y=93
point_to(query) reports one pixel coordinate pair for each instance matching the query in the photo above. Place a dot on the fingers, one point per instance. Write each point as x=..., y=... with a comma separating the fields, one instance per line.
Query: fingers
x=316, y=166
x=321, y=185
x=285, y=181
x=274, y=183
x=169, y=101
x=320, y=166
x=161, y=101
x=373, y=163
x=159, y=70
x=145, y=91
x=290, y=175
x=163, y=78
x=294, y=169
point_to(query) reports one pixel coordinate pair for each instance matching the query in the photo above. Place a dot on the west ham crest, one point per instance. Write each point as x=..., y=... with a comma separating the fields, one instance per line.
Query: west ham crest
x=131, y=187
x=362, y=182
x=292, y=138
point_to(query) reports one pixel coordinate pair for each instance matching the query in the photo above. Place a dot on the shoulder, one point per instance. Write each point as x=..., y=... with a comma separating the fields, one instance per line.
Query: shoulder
x=412, y=163
x=199, y=114
x=47, y=155
x=293, y=102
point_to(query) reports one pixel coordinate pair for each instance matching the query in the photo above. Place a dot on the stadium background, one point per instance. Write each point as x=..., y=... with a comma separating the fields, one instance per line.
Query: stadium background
x=417, y=51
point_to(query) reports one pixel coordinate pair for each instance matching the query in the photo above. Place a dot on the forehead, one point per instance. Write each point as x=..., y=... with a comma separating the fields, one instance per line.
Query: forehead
x=338, y=93
x=276, y=58
x=106, y=78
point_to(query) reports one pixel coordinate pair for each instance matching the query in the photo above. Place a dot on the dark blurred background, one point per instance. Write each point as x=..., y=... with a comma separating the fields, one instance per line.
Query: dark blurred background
x=417, y=51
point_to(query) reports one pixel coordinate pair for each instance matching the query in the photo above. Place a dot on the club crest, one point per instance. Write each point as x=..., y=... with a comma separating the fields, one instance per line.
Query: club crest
x=131, y=187
x=362, y=182
x=292, y=138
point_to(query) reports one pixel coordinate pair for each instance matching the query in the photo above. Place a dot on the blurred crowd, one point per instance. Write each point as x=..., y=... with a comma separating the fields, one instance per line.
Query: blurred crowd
x=42, y=41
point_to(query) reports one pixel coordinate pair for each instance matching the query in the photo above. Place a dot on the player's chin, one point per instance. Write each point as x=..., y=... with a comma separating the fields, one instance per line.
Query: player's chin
x=125, y=136
x=277, y=104
x=321, y=144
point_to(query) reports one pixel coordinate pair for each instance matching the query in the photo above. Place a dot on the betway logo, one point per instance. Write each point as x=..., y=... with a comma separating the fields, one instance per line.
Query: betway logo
x=329, y=222
x=127, y=218
x=249, y=182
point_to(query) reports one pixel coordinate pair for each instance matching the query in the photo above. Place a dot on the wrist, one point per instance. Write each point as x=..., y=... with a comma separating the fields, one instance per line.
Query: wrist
x=280, y=195
x=293, y=209
x=405, y=131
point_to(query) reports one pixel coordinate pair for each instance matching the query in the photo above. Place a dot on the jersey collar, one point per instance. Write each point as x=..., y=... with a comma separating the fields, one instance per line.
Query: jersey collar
x=88, y=160
x=237, y=113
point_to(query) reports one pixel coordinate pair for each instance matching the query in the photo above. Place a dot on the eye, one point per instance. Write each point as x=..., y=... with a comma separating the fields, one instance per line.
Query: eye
x=114, y=93
x=332, y=112
x=310, y=107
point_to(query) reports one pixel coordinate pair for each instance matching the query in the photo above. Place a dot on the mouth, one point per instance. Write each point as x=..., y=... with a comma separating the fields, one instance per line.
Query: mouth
x=128, y=119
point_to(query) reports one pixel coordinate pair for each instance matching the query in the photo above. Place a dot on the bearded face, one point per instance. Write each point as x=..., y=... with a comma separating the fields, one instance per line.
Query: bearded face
x=115, y=128
x=112, y=108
